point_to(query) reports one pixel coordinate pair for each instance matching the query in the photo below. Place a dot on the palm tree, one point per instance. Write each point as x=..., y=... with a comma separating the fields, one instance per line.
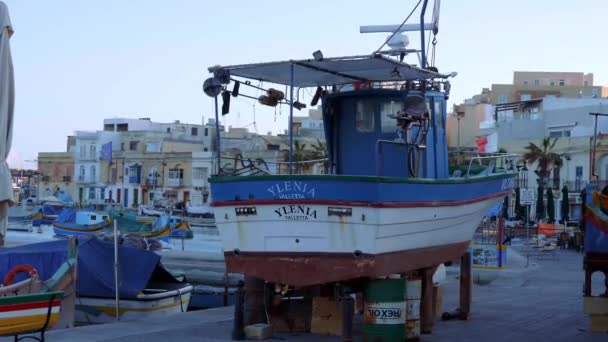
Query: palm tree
x=319, y=150
x=544, y=156
x=299, y=154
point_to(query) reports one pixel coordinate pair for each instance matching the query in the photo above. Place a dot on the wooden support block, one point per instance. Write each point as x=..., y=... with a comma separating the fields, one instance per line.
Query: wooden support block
x=595, y=305
x=291, y=316
x=258, y=331
x=599, y=323
x=426, y=305
x=437, y=301
x=466, y=287
x=326, y=316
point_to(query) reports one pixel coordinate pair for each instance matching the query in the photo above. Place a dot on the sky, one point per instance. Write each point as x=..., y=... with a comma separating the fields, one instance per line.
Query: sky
x=78, y=62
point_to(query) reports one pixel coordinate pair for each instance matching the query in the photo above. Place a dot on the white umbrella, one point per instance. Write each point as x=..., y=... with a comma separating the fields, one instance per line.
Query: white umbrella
x=7, y=104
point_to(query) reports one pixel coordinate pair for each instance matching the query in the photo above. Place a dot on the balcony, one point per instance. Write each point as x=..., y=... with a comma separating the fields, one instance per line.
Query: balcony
x=175, y=182
x=152, y=182
x=134, y=180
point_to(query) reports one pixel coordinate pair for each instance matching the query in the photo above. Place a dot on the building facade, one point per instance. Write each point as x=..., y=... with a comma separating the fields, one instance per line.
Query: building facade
x=56, y=174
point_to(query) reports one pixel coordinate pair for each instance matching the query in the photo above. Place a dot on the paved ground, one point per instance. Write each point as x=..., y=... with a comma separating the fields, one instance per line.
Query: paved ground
x=538, y=302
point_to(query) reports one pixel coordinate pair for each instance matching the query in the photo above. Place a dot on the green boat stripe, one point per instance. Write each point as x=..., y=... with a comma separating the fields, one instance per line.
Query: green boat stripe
x=31, y=298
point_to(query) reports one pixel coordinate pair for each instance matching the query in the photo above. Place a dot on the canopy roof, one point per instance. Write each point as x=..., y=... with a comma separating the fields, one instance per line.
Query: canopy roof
x=331, y=71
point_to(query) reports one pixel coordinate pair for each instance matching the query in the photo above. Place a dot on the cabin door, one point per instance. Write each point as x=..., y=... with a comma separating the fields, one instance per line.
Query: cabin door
x=356, y=137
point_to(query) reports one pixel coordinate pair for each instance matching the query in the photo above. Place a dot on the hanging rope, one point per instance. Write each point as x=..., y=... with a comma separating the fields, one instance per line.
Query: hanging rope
x=400, y=26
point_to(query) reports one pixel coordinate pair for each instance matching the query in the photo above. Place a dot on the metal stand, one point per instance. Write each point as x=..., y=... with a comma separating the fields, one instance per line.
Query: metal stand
x=465, y=286
x=238, y=332
x=426, y=307
x=254, y=308
x=348, y=311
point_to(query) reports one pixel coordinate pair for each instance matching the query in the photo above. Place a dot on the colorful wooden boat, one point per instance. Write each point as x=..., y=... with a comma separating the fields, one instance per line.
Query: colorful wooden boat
x=180, y=229
x=596, y=223
x=146, y=288
x=32, y=305
x=152, y=302
x=29, y=313
x=161, y=227
x=72, y=222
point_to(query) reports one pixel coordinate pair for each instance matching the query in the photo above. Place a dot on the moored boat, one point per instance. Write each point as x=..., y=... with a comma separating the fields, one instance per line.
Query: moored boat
x=146, y=289
x=38, y=279
x=72, y=222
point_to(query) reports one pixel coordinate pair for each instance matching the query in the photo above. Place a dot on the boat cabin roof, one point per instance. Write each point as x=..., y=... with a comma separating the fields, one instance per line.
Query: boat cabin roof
x=331, y=71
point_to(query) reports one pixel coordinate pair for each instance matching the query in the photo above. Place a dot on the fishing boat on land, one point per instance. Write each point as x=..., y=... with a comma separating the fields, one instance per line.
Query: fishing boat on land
x=146, y=288
x=73, y=222
x=38, y=288
x=387, y=203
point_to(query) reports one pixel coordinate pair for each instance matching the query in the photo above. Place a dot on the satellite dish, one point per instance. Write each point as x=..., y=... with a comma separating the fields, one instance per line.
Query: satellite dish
x=212, y=87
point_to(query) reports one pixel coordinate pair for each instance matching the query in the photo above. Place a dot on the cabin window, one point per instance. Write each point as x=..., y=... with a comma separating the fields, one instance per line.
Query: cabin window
x=93, y=217
x=364, y=118
x=388, y=124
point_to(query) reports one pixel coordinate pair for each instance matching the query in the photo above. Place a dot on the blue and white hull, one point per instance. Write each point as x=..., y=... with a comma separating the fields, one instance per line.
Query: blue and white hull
x=301, y=230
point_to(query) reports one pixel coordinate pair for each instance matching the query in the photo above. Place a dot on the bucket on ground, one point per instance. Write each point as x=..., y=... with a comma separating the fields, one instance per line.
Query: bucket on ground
x=413, y=294
x=384, y=312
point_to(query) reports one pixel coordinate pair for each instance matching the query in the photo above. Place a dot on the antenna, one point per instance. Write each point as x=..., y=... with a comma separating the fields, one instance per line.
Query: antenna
x=398, y=41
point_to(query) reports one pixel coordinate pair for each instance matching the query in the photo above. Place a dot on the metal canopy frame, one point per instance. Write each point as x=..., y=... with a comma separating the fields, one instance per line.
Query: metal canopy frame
x=323, y=72
x=331, y=71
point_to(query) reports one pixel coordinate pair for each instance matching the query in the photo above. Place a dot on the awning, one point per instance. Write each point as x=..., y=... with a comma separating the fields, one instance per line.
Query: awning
x=331, y=71
x=7, y=98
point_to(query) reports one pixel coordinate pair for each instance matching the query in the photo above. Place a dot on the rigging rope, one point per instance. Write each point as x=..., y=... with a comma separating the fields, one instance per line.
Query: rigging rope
x=400, y=26
x=433, y=52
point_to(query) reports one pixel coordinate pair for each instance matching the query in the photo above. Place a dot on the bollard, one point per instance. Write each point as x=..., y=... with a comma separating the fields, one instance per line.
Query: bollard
x=238, y=332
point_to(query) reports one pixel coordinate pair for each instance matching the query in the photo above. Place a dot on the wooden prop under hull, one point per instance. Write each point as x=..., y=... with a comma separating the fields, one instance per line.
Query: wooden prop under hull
x=306, y=269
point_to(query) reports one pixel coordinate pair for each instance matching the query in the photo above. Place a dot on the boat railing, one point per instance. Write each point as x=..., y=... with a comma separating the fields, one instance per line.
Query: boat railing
x=493, y=163
x=239, y=166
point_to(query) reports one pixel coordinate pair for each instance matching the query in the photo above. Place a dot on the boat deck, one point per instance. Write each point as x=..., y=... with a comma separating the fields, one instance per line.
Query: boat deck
x=541, y=302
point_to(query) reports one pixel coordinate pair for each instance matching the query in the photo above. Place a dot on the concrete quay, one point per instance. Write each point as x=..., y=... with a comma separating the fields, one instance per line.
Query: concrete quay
x=532, y=299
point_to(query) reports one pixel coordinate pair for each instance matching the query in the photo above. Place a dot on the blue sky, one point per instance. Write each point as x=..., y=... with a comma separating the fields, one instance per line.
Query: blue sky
x=78, y=62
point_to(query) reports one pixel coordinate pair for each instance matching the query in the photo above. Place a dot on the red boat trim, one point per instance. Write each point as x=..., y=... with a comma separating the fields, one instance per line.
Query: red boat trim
x=28, y=306
x=359, y=204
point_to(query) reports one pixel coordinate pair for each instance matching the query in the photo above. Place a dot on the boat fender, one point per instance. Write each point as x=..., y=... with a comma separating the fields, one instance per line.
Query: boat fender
x=24, y=268
x=237, y=251
x=358, y=254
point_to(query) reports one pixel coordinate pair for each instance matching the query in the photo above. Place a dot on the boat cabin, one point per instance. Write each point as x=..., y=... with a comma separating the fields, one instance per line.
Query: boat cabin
x=386, y=132
x=90, y=217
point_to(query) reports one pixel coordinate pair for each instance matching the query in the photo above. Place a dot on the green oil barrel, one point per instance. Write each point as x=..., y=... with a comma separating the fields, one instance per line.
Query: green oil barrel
x=384, y=312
